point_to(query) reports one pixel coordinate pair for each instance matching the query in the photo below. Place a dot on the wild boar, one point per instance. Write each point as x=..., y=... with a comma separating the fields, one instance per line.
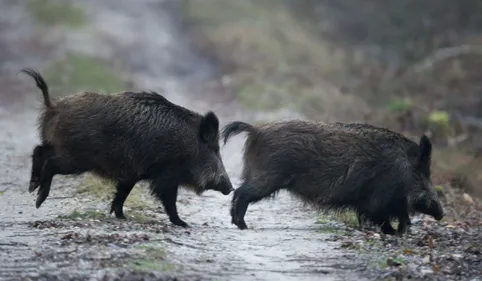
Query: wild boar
x=127, y=137
x=378, y=173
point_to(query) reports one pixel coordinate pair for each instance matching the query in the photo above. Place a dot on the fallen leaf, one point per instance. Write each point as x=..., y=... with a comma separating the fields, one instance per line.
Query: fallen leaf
x=409, y=252
x=435, y=268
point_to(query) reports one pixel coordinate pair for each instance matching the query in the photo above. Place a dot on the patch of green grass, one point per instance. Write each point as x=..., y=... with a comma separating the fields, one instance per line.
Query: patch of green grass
x=88, y=214
x=331, y=230
x=152, y=251
x=348, y=218
x=153, y=258
x=77, y=73
x=104, y=190
x=399, y=105
x=135, y=205
x=327, y=227
x=141, y=218
x=149, y=265
x=54, y=12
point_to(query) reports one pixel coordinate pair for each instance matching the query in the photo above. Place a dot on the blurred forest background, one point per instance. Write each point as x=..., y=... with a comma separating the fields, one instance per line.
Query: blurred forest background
x=413, y=66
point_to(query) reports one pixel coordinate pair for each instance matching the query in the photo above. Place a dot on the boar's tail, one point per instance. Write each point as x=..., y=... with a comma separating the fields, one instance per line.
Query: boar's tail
x=235, y=128
x=39, y=80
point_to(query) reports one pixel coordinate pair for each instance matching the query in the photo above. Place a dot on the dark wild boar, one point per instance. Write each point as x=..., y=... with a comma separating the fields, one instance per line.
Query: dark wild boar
x=378, y=173
x=128, y=137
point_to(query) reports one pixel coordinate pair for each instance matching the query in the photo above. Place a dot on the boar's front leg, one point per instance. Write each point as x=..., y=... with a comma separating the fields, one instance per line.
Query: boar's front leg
x=384, y=223
x=169, y=198
x=167, y=192
x=403, y=223
x=123, y=190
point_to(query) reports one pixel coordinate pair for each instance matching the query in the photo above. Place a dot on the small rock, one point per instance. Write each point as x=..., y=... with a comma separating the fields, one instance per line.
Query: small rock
x=426, y=259
x=426, y=271
x=113, y=246
x=454, y=257
x=468, y=199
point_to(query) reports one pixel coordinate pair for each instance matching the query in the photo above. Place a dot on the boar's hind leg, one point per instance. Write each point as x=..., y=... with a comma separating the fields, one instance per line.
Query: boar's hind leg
x=46, y=177
x=123, y=190
x=167, y=193
x=37, y=164
x=53, y=166
x=242, y=197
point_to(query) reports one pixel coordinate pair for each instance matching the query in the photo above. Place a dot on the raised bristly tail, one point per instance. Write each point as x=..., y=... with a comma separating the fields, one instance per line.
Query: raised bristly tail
x=39, y=80
x=235, y=128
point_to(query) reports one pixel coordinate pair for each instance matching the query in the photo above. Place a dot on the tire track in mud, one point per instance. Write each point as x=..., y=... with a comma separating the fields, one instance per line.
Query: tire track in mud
x=282, y=242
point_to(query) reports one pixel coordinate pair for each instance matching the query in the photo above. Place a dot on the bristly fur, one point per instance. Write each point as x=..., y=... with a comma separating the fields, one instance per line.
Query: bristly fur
x=378, y=173
x=128, y=137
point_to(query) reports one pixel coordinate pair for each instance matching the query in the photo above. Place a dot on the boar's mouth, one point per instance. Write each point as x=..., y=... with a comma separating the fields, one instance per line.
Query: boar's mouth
x=436, y=211
x=227, y=191
x=224, y=186
x=439, y=216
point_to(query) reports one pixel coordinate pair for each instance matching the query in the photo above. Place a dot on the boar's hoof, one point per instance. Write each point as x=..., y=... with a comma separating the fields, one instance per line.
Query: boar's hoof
x=33, y=185
x=42, y=195
x=179, y=222
x=388, y=231
x=239, y=223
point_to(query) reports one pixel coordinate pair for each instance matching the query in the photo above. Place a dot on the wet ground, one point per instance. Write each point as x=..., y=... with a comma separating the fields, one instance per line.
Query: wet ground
x=71, y=238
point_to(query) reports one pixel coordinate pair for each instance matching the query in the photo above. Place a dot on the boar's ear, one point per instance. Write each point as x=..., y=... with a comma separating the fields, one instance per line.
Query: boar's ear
x=425, y=154
x=209, y=128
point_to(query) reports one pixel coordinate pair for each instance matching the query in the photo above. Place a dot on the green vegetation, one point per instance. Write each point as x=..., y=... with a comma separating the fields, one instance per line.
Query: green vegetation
x=88, y=214
x=439, y=123
x=331, y=230
x=102, y=190
x=348, y=218
x=76, y=72
x=136, y=204
x=152, y=258
x=134, y=216
x=52, y=12
x=400, y=105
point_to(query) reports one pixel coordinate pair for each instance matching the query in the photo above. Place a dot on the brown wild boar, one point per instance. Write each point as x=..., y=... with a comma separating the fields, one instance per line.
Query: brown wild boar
x=127, y=137
x=378, y=173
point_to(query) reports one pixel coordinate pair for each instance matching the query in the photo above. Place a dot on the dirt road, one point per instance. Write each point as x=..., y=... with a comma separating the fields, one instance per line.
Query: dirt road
x=50, y=243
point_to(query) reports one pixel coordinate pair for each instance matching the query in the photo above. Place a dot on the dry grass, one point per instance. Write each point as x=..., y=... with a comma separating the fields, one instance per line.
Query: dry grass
x=103, y=190
x=273, y=59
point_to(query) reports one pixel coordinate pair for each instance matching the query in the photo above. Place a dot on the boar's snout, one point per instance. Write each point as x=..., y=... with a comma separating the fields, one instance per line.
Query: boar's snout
x=224, y=186
x=436, y=210
x=439, y=216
